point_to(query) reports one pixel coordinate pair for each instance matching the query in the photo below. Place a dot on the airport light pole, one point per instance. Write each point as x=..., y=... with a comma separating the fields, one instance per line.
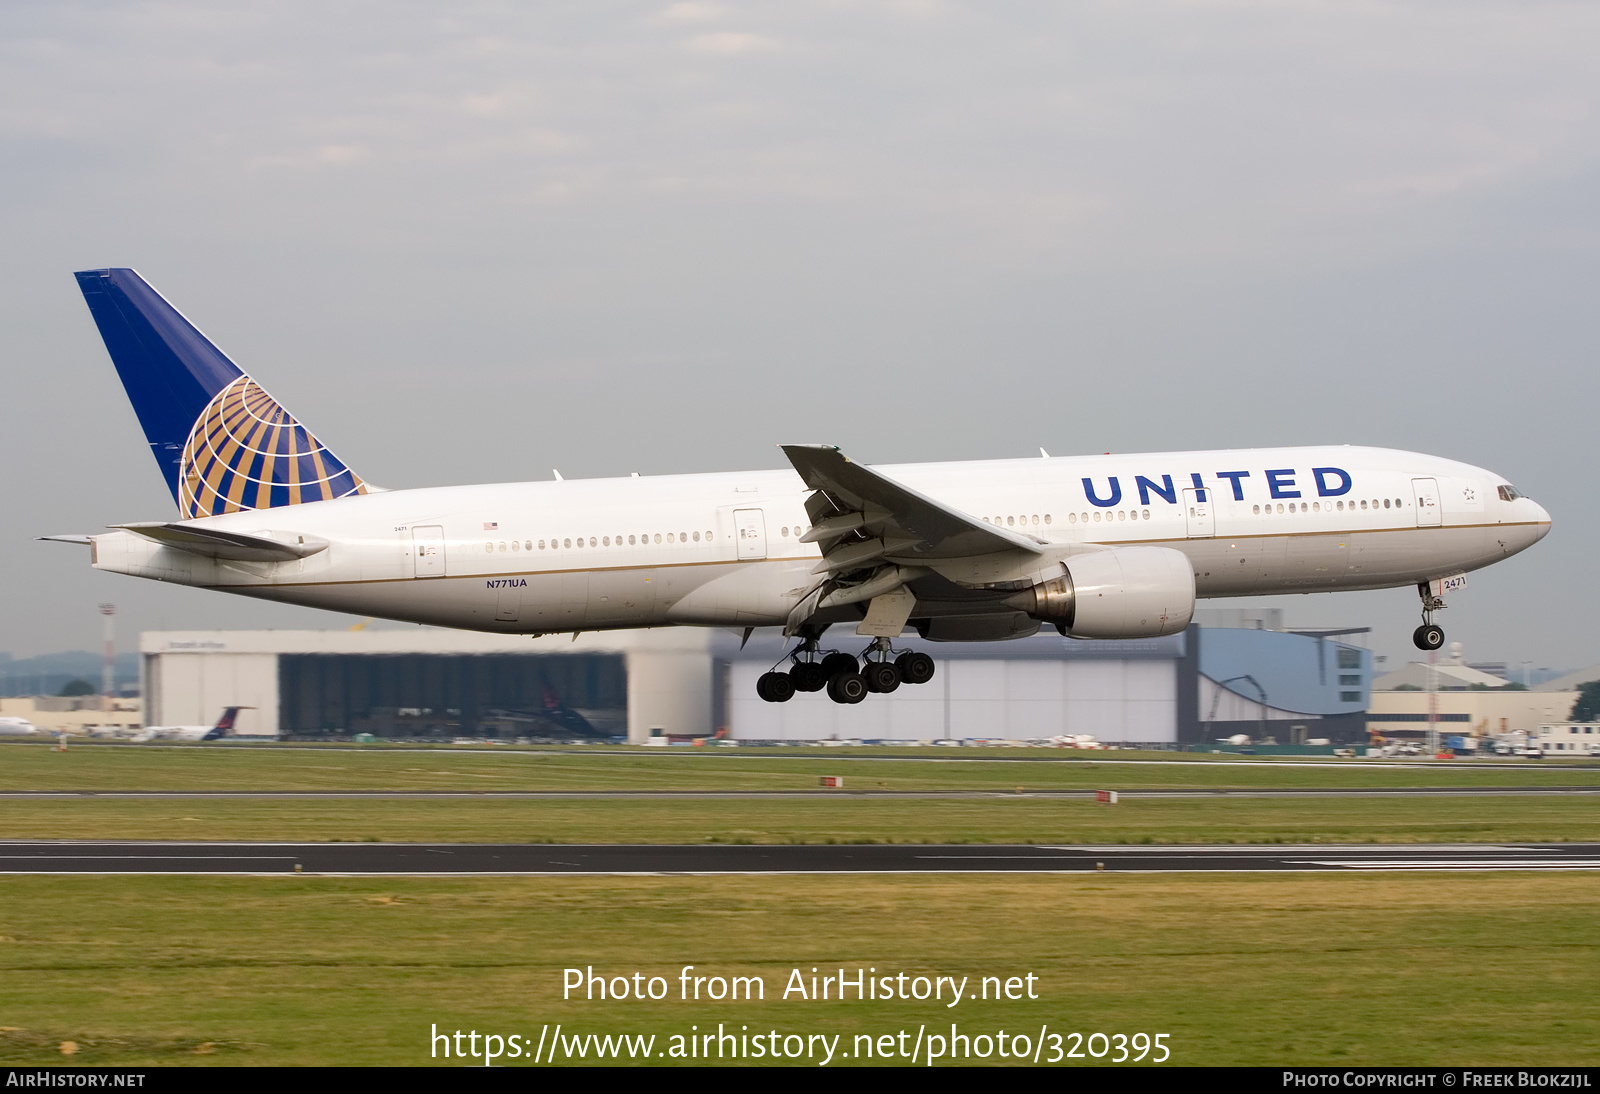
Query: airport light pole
x=108, y=667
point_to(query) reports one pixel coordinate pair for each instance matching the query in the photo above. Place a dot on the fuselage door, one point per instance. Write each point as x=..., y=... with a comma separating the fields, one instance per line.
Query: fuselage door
x=1201, y=518
x=1429, y=514
x=427, y=551
x=752, y=531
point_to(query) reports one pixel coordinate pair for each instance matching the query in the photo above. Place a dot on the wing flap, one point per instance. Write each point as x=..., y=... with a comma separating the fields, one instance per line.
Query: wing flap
x=932, y=529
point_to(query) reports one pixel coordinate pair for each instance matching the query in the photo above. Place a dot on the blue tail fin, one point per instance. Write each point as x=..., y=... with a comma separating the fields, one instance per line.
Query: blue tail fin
x=225, y=724
x=222, y=442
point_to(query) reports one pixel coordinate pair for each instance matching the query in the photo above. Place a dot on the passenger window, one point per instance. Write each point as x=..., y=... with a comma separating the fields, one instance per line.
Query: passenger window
x=1047, y=518
x=1072, y=518
x=1097, y=516
x=489, y=547
x=593, y=542
x=1121, y=515
x=1036, y=518
x=1011, y=520
x=541, y=545
x=1316, y=507
x=1363, y=503
x=669, y=537
x=605, y=541
x=1147, y=514
x=697, y=535
x=515, y=546
x=630, y=539
x=708, y=535
x=1386, y=503
x=1256, y=509
x=1397, y=503
x=527, y=545
x=658, y=537
x=683, y=537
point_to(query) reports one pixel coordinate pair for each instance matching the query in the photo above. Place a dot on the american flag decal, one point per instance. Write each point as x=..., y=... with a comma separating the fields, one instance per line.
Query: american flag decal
x=490, y=525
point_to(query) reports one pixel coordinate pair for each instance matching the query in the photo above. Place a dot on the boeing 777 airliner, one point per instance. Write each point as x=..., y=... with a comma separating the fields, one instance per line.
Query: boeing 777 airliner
x=1096, y=546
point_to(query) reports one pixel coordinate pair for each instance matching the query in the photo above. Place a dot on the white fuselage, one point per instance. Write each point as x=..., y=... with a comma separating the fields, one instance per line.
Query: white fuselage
x=723, y=549
x=173, y=733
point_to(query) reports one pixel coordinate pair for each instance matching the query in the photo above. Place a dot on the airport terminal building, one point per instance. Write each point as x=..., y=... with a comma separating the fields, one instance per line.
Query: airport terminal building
x=1204, y=684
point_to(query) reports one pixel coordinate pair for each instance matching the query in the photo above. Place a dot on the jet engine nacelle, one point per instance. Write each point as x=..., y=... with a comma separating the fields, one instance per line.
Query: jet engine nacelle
x=1121, y=592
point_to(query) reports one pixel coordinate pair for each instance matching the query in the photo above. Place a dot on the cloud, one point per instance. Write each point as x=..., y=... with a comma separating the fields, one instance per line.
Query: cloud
x=732, y=43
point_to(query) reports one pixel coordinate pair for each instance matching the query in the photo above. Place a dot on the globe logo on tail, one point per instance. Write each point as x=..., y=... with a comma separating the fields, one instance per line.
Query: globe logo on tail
x=247, y=452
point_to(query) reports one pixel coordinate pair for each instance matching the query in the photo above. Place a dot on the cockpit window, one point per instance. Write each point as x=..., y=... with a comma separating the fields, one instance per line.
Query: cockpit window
x=1509, y=493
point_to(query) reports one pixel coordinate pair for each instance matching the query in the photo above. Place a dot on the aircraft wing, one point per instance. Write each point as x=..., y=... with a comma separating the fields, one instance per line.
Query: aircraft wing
x=238, y=546
x=905, y=525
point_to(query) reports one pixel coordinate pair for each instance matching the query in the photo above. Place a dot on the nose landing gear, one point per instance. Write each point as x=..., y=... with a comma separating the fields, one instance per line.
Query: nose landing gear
x=1429, y=636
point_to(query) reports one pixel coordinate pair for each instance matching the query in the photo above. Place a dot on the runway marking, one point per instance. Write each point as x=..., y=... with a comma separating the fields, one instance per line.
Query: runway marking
x=148, y=858
x=1453, y=864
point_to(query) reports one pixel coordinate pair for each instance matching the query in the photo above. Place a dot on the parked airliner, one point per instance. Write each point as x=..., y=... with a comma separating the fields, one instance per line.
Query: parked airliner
x=224, y=726
x=1112, y=546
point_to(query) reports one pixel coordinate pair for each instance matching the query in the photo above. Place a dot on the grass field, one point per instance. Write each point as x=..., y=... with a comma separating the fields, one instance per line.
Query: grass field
x=137, y=767
x=1000, y=819
x=1336, y=969
x=1457, y=969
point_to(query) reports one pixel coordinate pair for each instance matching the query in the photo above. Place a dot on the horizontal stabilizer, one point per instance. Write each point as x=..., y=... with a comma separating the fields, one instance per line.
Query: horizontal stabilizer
x=237, y=546
x=85, y=540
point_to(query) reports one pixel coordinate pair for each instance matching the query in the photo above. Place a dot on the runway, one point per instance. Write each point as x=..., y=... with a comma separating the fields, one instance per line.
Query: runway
x=461, y=859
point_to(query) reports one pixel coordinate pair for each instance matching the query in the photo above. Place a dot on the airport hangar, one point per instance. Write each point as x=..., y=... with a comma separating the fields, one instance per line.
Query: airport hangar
x=1208, y=683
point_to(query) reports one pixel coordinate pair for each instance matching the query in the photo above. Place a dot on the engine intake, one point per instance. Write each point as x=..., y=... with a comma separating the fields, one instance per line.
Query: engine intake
x=1121, y=592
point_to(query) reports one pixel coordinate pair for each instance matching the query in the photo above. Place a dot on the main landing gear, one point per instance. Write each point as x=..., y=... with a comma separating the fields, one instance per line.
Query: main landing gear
x=845, y=678
x=1429, y=636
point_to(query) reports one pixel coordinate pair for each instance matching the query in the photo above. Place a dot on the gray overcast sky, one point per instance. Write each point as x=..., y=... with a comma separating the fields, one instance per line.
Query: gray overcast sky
x=473, y=242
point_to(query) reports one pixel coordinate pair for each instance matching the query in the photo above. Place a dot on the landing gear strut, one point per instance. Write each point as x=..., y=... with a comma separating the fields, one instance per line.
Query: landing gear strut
x=1429, y=636
x=882, y=675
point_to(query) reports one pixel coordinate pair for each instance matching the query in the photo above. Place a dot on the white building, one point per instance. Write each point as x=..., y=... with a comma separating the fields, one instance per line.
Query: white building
x=426, y=682
x=1570, y=738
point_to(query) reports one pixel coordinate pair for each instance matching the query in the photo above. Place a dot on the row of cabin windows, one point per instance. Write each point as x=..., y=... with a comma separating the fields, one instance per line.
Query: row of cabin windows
x=1072, y=518
x=1144, y=514
x=1012, y=522
x=594, y=541
x=1009, y=522
x=1316, y=506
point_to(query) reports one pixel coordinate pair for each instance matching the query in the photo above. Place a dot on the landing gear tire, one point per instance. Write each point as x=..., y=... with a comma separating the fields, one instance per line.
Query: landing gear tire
x=775, y=687
x=836, y=663
x=1428, y=637
x=808, y=676
x=882, y=677
x=915, y=668
x=848, y=688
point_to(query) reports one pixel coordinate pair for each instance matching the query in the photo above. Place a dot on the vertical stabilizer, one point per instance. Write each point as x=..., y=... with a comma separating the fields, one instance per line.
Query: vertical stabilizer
x=223, y=444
